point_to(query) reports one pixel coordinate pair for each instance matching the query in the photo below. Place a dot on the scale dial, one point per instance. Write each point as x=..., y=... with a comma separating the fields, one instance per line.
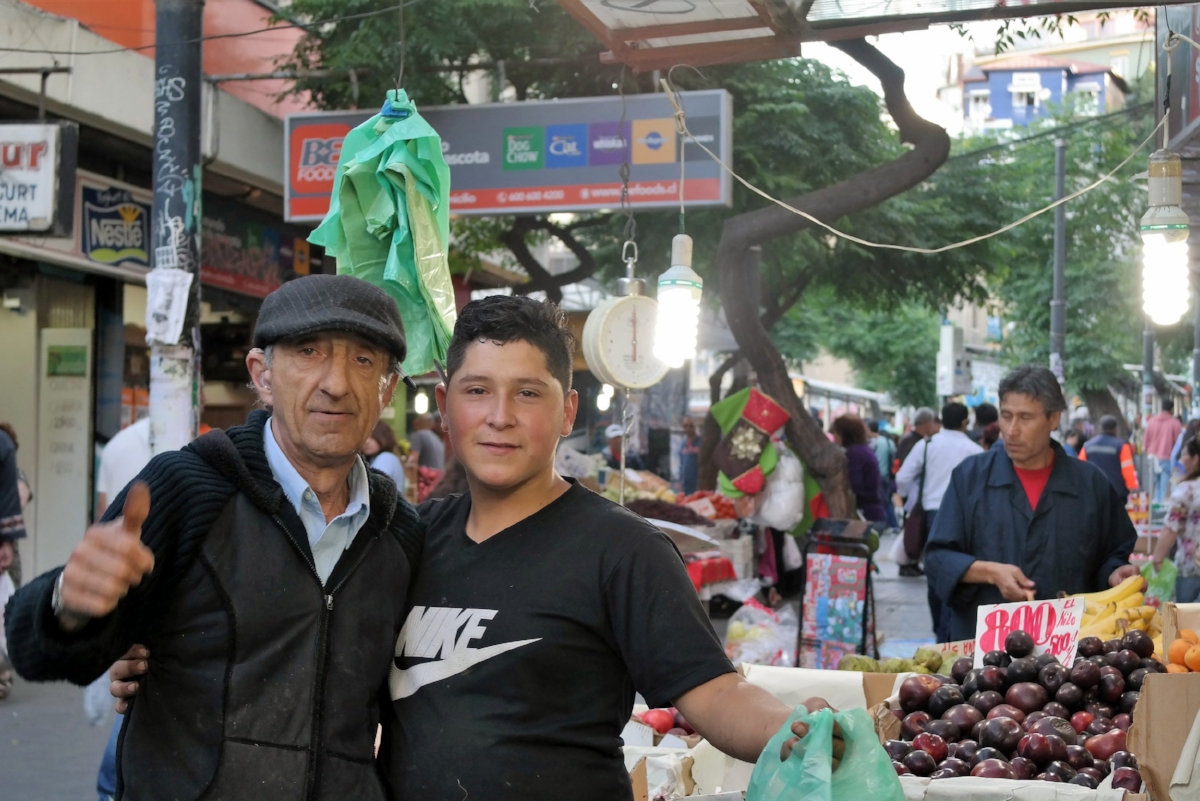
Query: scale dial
x=618, y=342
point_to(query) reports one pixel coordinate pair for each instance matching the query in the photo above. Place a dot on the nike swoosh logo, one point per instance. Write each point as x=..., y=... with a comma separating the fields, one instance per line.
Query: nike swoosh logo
x=404, y=683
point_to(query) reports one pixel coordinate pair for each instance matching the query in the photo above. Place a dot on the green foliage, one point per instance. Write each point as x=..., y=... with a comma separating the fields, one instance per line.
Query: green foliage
x=1103, y=285
x=440, y=38
x=892, y=350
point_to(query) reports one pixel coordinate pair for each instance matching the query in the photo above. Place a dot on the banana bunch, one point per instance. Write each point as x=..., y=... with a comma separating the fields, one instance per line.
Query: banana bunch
x=1122, y=608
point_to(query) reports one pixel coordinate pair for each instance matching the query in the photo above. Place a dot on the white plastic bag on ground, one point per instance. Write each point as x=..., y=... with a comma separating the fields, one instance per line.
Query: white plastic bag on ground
x=781, y=503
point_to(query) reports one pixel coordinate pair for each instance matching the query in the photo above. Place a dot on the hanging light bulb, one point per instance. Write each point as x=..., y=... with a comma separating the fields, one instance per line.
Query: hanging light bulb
x=603, y=401
x=1164, y=226
x=421, y=402
x=679, y=291
x=607, y=390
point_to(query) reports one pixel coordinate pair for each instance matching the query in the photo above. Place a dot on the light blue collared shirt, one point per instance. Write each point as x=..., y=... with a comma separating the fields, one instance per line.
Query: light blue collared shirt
x=327, y=540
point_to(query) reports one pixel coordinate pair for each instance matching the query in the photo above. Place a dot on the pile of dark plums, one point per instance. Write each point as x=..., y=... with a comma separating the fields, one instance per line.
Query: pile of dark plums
x=1027, y=717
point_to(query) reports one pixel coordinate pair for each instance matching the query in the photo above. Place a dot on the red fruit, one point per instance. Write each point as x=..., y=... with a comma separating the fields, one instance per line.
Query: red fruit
x=1127, y=779
x=964, y=716
x=1023, y=768
x=1103, y=746
x=1079, y=757
x=1036, y=748
x=1001, y=733
x=956, y=765
x=681, y=723
x=931, y=744
x=915, y=692
x=1006, y=711
x=900, y=768
x=1057, y=727
x=993, y=769
x=919, y=763
x=1122, y=759
x=660, y=720
x=1081, y=720
x=1027, y=696
x=1122, y=721
x=897, y=749
x=913, y=724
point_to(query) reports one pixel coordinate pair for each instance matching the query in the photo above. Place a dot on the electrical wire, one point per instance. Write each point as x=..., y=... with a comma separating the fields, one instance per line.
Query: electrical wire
x=235, y=35
x=1058, y=130
x=673, y=97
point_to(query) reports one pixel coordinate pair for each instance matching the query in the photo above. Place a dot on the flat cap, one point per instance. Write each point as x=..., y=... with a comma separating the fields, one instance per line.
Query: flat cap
x=320, y=303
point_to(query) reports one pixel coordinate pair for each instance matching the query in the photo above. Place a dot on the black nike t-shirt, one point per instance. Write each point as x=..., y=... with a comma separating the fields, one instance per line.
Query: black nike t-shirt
x=517, y=665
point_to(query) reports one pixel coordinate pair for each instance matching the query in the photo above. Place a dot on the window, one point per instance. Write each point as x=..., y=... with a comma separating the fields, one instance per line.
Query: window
x=1120, y=66
x=980, y=107
x=1025, y=99
x=1087, y=98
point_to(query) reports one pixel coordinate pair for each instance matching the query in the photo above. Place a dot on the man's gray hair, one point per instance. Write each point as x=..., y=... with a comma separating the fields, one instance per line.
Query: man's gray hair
x=1109, y=423
x=1038, y=383
x=924, y=415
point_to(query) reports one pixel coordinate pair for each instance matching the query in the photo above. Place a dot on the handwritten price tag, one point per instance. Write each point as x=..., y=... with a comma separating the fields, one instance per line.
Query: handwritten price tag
x=1054, y=626
x=955, y=650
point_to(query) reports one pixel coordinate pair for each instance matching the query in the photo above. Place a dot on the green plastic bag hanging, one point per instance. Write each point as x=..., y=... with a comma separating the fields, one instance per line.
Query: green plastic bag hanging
x=389, y=223
x=865, y=772
x=1160, y=584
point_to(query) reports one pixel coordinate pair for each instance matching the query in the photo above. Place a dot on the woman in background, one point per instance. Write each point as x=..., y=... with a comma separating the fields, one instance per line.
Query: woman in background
x=380, y=450
x=850, y=432
x=1183, y=525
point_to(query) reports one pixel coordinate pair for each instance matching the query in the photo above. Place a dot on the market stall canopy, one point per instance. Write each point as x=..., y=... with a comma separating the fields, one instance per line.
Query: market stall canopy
x=659, y=34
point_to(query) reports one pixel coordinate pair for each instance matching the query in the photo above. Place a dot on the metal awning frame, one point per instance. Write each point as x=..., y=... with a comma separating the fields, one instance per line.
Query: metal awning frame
x=789, y=30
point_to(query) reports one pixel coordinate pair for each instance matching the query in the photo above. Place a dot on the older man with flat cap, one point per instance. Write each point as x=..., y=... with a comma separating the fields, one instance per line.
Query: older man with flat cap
x=265, y=569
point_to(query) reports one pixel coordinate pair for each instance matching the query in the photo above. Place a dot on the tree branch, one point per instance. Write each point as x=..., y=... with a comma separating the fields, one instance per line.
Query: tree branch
x=540, y=279
x=738, y=270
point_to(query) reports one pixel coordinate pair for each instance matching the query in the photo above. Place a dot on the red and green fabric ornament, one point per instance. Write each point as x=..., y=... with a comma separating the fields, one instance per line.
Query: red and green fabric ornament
x=745, y=455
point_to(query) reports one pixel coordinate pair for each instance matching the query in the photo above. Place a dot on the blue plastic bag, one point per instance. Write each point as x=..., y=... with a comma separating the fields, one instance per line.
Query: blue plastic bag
x=865, y=772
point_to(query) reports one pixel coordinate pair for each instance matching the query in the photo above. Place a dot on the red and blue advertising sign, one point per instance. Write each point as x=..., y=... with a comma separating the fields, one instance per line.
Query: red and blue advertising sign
x=541, y=155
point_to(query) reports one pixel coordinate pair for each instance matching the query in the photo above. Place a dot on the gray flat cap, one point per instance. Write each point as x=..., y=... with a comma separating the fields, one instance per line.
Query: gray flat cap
x=319, y=303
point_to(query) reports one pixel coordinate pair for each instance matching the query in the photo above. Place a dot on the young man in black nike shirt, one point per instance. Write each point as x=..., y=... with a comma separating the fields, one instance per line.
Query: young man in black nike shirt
x=539, y=607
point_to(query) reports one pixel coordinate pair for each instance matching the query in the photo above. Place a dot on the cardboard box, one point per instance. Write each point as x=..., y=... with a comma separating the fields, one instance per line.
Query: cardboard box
x=1166, y=710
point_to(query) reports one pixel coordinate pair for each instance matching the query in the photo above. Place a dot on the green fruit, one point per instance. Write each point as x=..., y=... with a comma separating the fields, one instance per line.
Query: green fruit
x=897, y=665
x=858, y=662
x=929, y=658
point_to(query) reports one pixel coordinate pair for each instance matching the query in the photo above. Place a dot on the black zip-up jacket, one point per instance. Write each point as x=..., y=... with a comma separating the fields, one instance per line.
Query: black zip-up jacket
x=263, y=683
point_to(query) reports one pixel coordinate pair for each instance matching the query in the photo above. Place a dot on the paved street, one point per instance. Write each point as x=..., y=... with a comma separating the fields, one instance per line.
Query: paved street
x=900, y=603
x=48, y=751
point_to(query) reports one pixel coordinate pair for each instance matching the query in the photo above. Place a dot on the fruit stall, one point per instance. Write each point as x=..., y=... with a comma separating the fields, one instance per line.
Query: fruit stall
x=1117, y=718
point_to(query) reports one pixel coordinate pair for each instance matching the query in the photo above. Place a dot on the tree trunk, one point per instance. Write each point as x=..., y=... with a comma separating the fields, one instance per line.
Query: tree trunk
x=738, y=270
x=1101, y=402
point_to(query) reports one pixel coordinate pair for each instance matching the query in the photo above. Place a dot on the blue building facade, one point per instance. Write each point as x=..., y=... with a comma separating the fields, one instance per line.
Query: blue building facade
x=1017, y=91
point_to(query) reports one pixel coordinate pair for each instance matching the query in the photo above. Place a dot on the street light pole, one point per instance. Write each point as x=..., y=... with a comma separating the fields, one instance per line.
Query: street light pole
x=173, y=286
x=1058, y=303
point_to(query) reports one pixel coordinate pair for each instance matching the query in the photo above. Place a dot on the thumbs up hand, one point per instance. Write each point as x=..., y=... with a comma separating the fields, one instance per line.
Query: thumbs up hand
x=110, y=559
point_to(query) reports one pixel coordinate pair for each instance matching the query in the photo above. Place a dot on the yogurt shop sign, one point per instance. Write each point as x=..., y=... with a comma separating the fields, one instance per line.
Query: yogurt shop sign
x=37, y=166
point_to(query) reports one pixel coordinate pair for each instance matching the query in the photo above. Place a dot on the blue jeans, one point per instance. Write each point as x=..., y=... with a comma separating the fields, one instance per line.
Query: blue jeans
x=106, y=780
x=1187, y=590
x=1162, y=478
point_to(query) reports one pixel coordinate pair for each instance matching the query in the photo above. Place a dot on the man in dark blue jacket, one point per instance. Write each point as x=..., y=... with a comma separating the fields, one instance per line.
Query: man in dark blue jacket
x=1025, y=521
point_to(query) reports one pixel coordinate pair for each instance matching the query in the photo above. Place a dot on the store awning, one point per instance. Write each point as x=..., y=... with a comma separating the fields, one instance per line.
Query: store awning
x=659, y=34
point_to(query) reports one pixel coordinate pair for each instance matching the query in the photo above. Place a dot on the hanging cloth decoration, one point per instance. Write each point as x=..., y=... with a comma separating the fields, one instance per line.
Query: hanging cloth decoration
x=745, y=455
x=389, y=223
